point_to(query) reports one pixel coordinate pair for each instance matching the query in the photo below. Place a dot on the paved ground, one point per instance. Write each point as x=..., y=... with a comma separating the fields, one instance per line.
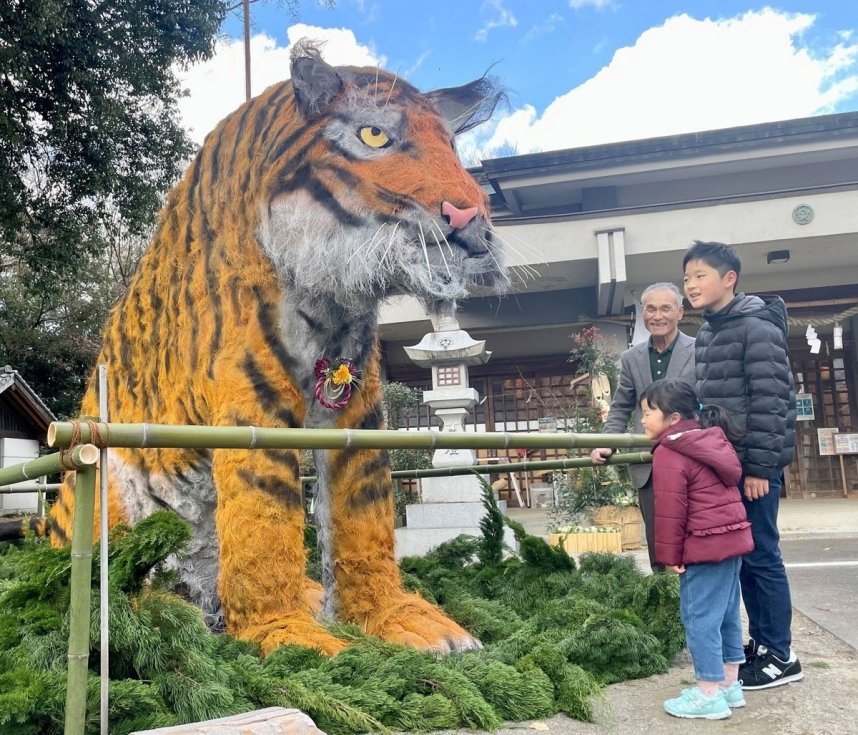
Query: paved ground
x=822, y=533
x=823, y=574
x=825, y=703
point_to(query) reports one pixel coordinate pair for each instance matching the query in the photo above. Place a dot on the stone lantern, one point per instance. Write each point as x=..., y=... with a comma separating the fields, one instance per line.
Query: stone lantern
x=451, y=505
x=448, y=351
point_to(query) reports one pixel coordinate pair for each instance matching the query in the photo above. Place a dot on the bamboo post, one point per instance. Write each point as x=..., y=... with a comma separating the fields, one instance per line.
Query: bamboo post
x=81, y=579
x=104, y=629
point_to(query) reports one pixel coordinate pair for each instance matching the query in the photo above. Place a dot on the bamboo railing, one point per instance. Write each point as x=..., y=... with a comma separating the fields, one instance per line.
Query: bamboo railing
x=81, y=440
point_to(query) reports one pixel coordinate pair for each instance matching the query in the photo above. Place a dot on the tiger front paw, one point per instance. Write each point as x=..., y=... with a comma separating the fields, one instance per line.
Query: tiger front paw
x=409, y=620
x=299, y=630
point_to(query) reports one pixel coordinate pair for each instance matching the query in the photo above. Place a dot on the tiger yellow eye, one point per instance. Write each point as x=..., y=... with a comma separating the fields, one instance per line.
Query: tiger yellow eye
x=374, y=137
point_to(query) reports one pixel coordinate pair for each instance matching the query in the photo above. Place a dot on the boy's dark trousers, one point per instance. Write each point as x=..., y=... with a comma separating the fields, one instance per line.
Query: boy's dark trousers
x=765, y=588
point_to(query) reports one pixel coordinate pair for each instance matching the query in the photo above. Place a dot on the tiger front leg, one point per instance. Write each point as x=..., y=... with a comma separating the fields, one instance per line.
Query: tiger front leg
x=362, y=579
x=264, y=594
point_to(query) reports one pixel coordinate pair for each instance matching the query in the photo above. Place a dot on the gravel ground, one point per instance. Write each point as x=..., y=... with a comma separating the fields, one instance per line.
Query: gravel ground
x=824, y=703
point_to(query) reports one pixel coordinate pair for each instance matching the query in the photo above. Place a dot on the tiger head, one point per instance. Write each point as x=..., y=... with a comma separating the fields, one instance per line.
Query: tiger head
x=363, y=193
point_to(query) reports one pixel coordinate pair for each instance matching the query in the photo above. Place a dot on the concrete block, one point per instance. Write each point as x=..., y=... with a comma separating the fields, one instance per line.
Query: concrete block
x=457, y=489
x=420, y=541
x=446, y=515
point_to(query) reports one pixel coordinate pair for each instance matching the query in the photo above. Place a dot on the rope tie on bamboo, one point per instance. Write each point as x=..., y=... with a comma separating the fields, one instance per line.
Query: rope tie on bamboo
x=77, y=439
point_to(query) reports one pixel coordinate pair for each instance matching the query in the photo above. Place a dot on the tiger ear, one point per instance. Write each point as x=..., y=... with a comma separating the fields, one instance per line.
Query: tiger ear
x=314, y=82
x=467, y=106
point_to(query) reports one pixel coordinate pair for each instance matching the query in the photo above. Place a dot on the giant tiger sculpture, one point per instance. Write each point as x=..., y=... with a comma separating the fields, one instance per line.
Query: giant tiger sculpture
x=302, y=210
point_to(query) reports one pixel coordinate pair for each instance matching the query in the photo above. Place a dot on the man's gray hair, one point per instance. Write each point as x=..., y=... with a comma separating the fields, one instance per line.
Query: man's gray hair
x=663, y=286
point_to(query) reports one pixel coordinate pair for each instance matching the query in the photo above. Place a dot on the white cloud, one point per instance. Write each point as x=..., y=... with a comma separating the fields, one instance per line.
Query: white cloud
x=598, y=4
x=407, y=73
x=689, y=75
x=547, y=26
x=216, y=86
x=502, y=18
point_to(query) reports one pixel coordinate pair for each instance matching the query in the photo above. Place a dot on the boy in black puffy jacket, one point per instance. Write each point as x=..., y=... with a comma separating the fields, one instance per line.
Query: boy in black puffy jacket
x=742, y=365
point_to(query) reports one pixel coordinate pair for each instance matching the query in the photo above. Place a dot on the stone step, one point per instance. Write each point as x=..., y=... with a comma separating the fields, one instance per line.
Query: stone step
x=456, y=489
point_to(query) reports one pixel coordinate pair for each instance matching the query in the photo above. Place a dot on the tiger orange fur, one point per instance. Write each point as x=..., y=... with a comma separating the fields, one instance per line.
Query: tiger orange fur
x=301, y=212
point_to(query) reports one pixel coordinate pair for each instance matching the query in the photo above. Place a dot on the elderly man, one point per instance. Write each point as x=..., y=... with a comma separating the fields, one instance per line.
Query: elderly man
x=667, y=354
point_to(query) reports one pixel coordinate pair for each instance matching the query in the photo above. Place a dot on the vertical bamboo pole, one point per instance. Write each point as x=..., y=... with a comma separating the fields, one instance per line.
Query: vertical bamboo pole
x=81, y=579
x=103, y=575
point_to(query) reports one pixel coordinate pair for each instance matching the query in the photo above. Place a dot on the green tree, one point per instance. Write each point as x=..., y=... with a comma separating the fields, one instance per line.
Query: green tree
x=90, y=138
x=88, y=119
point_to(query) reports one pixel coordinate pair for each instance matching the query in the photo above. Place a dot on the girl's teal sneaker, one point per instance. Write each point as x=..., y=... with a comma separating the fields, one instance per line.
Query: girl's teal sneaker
x=693, y=704
x=733, y=695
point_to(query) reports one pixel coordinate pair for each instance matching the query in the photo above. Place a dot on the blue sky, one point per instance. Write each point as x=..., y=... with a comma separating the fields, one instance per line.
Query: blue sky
x=578, y=72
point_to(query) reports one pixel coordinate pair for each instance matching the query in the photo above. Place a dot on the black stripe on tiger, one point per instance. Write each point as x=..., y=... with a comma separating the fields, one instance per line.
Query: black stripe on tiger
x=395, y=199
x=187, y=286
x=289, y=493
x=239, y=133
x=375, y=485
x=156, y=306
x=333, y=344
x=276, y=104
x=290, y=169
x=343, y=174
x=285, y=457
x=367, y=343
x=374, y=419
x=304, y=179
x=217, y=312
x=232, y=289
x=271, y=333
x=57, y=532
x=343, y=152
x=266, y=394
x=207, y=245
x=388, y=89
x=286, y=145
x=378, y=464
x=314, y=325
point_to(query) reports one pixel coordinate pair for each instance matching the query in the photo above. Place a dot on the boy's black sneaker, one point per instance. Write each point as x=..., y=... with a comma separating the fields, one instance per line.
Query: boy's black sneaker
x=766, y=670
x=750, y=651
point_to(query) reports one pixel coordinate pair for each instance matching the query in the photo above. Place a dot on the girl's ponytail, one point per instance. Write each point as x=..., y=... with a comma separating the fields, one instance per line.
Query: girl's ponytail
x=712, y=415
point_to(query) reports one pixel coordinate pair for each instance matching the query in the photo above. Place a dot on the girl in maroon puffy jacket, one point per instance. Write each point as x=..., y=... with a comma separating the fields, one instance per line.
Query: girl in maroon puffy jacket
x=701, y=533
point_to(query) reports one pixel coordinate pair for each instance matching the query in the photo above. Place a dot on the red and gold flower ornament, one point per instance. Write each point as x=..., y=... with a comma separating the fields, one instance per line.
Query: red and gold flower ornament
x=335, y=380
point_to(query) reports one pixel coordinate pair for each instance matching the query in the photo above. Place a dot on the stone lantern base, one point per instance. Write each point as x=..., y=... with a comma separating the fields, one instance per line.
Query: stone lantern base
x=451, y=506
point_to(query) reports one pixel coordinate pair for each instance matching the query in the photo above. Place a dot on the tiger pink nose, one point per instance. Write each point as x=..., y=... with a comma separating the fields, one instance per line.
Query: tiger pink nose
x=458, y=218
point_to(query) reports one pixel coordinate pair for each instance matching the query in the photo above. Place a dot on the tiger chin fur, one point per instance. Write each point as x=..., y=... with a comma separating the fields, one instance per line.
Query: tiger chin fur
x=303, y=210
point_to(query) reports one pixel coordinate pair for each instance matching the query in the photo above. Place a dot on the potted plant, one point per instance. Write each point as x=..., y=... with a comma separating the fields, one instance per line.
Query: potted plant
x=576, y=539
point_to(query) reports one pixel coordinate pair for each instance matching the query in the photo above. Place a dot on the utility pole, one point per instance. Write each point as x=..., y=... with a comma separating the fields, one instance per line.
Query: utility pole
x=246, y=8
